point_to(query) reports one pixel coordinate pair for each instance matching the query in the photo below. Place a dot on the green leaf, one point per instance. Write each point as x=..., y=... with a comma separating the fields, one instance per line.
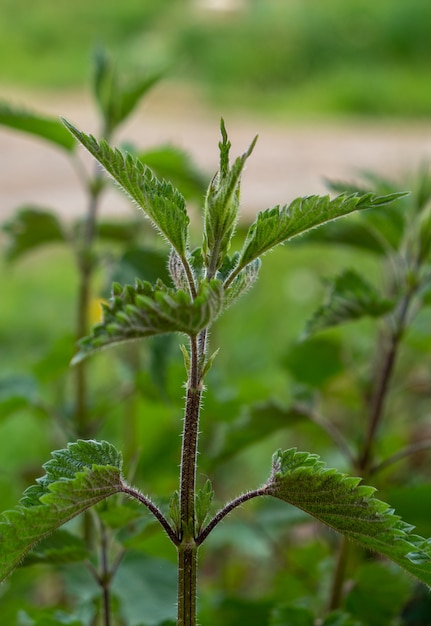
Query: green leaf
x=17, y=391
x=145, y=311
x=354, y=233
x=291, y=615
x=257, y=422
x=233, y=611
x=46, y=617
x=146, y=588
x=171, y=163
x=43, y=127
x=30, y=228
x=76, y=478
x=59, y=548
x=386, y=225
x=160, y=201
x=339, y=618
x=242, y=282
x=125, y=232
x=275, y=226
x=375, y=609
x=204, y=498
x=143, y=262
x=339, y=501
x=351, y=298
x=222, y=205
x=315, y=361
x=117, y=97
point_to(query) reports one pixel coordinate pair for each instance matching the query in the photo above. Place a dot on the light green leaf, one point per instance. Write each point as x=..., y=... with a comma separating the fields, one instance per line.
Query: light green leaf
x=160, y=201
x=351, y=298
x=31, y=228
x=76, y=478
x=275, y=226
x=48, y=128
x=144, y=311
x=222, y=205
x=340, y=502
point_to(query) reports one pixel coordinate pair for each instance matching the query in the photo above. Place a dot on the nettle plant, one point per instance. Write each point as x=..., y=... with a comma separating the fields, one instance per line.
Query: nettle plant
x=206, y=281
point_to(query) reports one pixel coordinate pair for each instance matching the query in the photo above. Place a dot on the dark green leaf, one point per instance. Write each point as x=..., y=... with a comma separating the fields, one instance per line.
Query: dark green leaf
x=339, y=618
x=386, y=224
x=339, y=501
x=59, y=548
x=159, y=200
x=138, y=262
x=291, y=616
x=44, y=127
x=145, y=311
x=146, y=588
x=171, y=163
x=46, y=617
x=349, y=232
x=235, y=611
x=30, y=228
x=76, y=478
x=118, y=231
x=375, y=609
x=256, y=423
x=414, y=501
x=314, y=361
x=275, y=226
x=351, y=298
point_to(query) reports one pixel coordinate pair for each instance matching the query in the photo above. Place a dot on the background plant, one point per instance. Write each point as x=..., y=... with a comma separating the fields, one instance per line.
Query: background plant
x=147, y=310
x=76, y=405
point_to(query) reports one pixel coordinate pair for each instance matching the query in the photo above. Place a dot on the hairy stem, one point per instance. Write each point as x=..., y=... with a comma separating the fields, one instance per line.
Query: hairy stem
x=187, y=549
x=227, y=509
x=187, y=581
x=133, y=493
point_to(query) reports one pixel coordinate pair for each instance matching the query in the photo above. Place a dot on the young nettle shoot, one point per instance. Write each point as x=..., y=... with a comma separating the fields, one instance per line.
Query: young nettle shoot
x=205, y=282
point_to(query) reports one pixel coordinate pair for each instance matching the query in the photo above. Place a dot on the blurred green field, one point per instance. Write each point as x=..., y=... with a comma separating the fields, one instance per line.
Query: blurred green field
x=285, y=58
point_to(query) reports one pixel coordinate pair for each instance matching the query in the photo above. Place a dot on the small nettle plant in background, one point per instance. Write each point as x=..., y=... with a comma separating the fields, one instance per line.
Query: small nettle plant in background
x=205, y=282
x=103, y=249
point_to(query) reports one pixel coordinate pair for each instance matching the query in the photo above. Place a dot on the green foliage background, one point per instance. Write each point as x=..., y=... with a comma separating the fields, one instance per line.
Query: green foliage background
x=291, y=57
x=284, y=58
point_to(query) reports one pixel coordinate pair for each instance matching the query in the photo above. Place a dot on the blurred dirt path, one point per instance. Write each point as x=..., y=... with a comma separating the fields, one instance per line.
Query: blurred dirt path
x=290, y=159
